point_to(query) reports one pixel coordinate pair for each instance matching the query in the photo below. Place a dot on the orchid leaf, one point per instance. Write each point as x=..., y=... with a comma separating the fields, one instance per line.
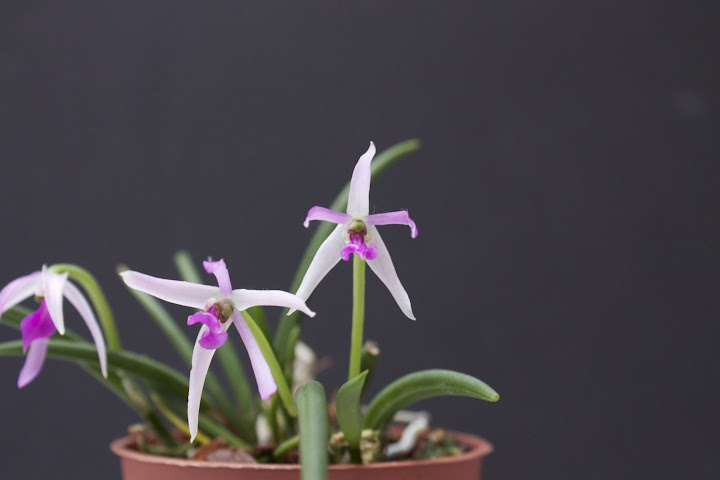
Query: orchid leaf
x=368, y=362
x=314, y=430
x=140, y=365
x=286, y=447
x=418, y=386
x=380, y=163
x=349, y=414
x=186, y=267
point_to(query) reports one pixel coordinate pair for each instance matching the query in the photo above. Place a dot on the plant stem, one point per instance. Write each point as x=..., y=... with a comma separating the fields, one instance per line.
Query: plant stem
x=358, y=316
x=97, y=297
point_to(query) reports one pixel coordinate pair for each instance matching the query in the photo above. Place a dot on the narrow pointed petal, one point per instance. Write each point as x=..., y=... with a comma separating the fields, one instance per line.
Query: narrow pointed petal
x=385, y=270
x=201, y=359
x=325, y=214
x=401, y=217
x=244, y=299
x=173, y=291
x=215, y=334
x=18, y=290
x=33, y=362
x=219, y=269
x=53, y=286
x=359, y=196
x=266, y=384
x=77, y=300
x=327, y=256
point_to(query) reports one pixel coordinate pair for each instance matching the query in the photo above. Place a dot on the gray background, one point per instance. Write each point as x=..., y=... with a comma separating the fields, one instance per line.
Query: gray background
x=565, y=196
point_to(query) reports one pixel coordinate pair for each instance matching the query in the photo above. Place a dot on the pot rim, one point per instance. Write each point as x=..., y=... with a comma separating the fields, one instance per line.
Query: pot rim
x=479, y=447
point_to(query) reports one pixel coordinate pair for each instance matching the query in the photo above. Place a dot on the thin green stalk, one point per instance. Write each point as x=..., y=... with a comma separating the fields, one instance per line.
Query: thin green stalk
x=275, y=368
x=186, y=267
x=285, y=447
x=381, y=162
x=98, y=299
x=358, y=316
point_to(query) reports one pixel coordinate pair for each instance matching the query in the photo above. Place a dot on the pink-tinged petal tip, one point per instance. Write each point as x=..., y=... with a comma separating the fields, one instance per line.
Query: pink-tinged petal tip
x=401, y=217
x=325, y=214
x=219, y=269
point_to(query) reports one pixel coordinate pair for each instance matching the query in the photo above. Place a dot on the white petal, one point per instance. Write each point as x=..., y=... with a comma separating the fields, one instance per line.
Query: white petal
x=327, y=256
x=263, y=376
x=33, y=362
x=385, y=270
x=72, y=293
x=53, y=285
x=174, y=291
x=201, y=359
x=359, y=196
x=244, y=299
x=18, y=290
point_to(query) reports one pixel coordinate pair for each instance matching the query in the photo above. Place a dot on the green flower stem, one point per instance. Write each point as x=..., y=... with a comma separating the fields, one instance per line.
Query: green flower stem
x=358, y=316
x=97, y=297
x=275, y=368
x=381, y=162
x=285, y=447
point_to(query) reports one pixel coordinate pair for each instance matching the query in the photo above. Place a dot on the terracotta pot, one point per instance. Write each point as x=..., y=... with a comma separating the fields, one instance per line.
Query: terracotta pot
x=141, y=466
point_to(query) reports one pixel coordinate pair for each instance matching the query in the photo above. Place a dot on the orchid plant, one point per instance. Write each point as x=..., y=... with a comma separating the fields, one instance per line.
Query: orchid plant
x=287, y=413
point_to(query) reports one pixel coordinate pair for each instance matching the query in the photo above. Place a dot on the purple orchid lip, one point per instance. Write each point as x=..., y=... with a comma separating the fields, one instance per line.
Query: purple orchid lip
x=358, y=246
x=37, y=325
x=215, y=336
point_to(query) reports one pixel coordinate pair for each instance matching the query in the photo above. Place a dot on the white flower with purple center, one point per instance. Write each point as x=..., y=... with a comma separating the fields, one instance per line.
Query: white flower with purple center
x=37, y=328
x=356, y=233
x=221, y=307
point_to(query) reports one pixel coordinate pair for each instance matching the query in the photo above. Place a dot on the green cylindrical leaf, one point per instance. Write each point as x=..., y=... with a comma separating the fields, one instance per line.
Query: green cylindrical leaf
x=314, y=427
x=349, y=414
x=135, y=364
x=421, y=385
x=186, y=267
